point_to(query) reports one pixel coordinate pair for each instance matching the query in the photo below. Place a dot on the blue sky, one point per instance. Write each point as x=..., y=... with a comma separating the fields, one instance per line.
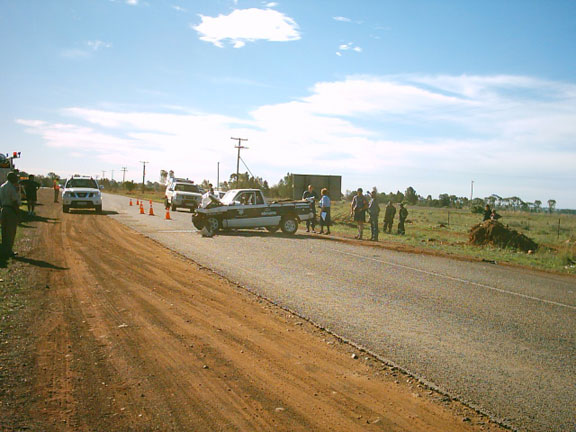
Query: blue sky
x=429, y=94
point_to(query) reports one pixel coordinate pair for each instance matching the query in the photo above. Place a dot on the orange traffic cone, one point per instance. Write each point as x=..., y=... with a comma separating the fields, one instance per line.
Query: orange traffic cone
x=167, y=217
x=150, y=203
x=137, y=202
x=151, y=212
x=142, y=209
x=131, y=202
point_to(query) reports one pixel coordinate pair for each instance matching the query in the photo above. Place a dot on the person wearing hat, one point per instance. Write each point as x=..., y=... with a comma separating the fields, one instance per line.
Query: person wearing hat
x=10, y=200
x=402, y=215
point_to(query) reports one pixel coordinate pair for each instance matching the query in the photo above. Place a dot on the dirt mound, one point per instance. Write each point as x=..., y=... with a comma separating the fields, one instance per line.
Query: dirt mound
x=494, y=233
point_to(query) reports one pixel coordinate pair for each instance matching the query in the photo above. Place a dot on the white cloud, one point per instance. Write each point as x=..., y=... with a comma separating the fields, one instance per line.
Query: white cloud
x=348, y=47
x=247, y=25
x=363, y=127
x=271, y=4
x=96, y=45
x=132, y=2
x=86, y=50
x=341, y=19
x=179, y=8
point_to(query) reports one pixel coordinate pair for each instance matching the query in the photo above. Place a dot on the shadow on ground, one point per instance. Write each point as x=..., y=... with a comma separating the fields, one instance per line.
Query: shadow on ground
x=92, y=212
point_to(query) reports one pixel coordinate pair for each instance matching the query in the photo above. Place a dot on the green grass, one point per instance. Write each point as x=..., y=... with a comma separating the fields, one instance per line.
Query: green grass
x=446, y=231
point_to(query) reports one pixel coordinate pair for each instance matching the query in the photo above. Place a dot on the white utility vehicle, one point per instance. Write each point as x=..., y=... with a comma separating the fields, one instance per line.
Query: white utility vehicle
x=81, y=192
x=182, y=193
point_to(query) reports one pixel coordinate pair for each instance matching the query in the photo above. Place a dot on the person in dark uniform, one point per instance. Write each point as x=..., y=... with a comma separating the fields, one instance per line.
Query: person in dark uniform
x=374, y=212
x=359, y=206
x=487, y=213
x=311, y=196
x=10, y=200
x=402, y=215
x=389, y=214
x=30, y=189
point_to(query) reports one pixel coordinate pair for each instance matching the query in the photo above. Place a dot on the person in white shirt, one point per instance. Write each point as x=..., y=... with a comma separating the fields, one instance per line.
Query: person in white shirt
x=10, y=200
x=325, y=205
x=206, y=198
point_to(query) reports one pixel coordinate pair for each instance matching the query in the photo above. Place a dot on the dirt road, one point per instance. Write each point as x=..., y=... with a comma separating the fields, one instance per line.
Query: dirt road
x=133, y=337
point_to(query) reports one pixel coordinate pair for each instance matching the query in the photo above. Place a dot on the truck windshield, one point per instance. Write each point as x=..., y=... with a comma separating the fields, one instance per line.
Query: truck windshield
x=186, y=188
x=82, y=183
x=228, y=197
x=244, y=198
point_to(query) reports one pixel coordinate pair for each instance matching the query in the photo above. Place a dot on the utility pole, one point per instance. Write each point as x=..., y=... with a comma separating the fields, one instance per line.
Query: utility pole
x=239, y=147
x=124, y=169
x=143, y=173
x=471, y=191
x=103, y=174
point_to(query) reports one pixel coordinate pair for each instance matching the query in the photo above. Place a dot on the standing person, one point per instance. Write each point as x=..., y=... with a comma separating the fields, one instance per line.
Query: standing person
x=207, y=197
x=10, y=199
x=389, y=214
x=487, y=213
x=358, y=207
x=311, y=196
x=374, y=212
x=56, y=187
x=402, y=215
x=325, y=205
x=30, y=189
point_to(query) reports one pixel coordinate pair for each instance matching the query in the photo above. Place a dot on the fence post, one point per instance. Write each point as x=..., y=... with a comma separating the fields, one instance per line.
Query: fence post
x=558, y=228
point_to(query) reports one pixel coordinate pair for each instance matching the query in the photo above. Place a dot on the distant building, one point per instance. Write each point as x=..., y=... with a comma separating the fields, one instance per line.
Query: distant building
x=331, y=182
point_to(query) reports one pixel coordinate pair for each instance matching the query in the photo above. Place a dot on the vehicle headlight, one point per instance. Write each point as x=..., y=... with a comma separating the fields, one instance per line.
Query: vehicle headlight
x=67, y=194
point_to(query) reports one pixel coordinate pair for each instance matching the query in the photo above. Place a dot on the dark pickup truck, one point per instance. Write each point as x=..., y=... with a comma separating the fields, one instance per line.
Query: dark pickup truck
x=248, y=208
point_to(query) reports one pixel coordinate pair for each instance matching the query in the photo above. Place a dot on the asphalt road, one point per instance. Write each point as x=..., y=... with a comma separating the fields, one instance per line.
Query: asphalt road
x=498, y=338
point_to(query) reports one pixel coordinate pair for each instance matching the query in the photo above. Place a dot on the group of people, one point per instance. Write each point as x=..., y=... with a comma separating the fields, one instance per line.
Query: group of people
x=361, y=205
x=10, y=201
x=490, y=214
x=325, y=205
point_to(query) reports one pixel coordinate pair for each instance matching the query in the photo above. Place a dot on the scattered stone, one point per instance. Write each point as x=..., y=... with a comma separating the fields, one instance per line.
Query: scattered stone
x=354, y=356
x=123, y=325
x=279, y=409
x=205, y=367
x=466, y=419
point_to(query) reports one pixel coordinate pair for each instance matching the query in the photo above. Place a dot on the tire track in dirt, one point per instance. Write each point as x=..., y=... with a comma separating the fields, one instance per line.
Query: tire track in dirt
x=137, y=338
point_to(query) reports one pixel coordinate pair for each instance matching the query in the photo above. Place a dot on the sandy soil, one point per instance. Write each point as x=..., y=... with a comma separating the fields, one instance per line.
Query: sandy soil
x=133, y=337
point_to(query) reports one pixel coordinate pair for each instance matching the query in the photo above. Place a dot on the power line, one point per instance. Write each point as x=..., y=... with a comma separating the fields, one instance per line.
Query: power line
x=239, y=146
x=143, y=173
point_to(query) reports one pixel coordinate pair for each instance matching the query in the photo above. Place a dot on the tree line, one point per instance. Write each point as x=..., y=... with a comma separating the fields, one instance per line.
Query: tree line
x=284, y=189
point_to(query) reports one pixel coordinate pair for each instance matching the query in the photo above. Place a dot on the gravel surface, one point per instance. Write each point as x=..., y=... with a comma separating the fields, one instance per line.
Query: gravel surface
x=498, y=338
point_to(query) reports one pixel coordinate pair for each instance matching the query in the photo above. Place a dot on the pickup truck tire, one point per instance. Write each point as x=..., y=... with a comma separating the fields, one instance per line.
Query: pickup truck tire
x=98, y=209
x=198, y=221
x=212, y=224
x=66, y=209
x=272, y=229
x=289, y=225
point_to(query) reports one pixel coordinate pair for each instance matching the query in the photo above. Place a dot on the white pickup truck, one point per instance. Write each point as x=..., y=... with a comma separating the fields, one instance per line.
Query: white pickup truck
x=248, y=208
